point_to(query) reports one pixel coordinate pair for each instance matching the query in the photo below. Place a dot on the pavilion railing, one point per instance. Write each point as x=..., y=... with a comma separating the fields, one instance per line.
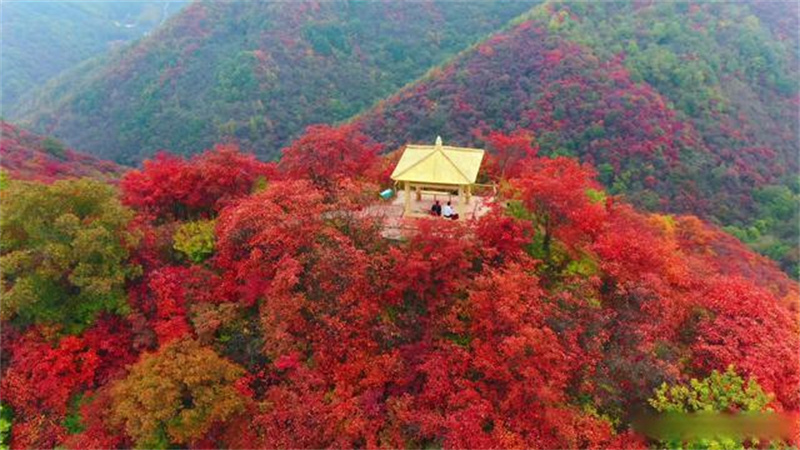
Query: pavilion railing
x=485, y=190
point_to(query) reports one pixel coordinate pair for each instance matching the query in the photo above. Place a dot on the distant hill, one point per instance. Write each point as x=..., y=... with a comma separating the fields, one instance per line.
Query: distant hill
x=42, y=39
x=28, y=156
x=683, y=109
x=256, y=71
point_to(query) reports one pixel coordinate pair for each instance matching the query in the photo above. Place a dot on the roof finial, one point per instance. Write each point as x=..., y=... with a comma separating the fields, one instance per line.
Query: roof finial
x=438, y=141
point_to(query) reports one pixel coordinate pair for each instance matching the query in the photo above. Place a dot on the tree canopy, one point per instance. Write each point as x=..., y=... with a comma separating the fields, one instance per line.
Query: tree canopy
x=64, y=252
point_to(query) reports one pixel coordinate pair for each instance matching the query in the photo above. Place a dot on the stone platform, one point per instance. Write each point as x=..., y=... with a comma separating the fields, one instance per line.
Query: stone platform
x=396, y=226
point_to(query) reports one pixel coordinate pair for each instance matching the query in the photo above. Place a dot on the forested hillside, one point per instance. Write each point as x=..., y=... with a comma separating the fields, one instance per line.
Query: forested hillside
x=27, y=156
x=240, y=290
x=682, y=107
x=688, y=108
x=256, y=71
x=41, y=39
x=223, y=302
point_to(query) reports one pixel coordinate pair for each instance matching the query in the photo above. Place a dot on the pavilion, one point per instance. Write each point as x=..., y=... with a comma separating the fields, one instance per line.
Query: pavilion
x=438, y=169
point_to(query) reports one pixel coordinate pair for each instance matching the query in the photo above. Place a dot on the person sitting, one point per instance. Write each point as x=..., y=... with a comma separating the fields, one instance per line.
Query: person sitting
x=436, y=209
x=447, y=211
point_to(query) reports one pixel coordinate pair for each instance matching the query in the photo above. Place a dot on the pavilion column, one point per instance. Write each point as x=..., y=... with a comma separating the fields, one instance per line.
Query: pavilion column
x=419, y=193
x=407, y=199
x=461, y=203
x=469, y=193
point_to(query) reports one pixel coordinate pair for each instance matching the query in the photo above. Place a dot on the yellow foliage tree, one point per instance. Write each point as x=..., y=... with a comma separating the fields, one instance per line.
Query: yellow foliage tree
x=174, y=396
x=195, y=240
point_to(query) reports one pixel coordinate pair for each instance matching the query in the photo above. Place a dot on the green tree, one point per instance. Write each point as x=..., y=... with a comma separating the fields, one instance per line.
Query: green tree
x=53, y=147
x=5, y=426
x=63, y=252
x=195, y=240
x=719, y=392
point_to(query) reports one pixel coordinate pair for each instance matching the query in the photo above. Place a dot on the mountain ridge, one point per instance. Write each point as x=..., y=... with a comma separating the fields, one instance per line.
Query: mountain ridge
x=28, y=156
x=294, y=65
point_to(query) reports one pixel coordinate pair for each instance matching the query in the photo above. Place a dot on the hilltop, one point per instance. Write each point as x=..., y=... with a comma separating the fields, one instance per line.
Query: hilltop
x=265, y=307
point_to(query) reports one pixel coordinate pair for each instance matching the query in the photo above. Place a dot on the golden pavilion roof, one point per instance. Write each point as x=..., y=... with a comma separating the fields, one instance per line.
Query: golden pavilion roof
x=438, y=164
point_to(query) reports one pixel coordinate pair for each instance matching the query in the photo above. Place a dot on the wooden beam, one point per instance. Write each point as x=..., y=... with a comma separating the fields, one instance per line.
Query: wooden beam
x=407, y=199
x=460, y=209
x=433, y=186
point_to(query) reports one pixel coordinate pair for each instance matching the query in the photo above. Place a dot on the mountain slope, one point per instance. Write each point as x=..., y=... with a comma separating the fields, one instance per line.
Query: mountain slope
x=27, y=156
x=284, y=319
x=731, y=70
x=42, y=39
x=256, y=71
x=671, y=129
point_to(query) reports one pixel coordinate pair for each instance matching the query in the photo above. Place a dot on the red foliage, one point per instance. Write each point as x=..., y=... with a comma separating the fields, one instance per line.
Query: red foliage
x=166, y=293
x=734, y=331
x=38, y=431
x=170, y=187
x=155, y=246
x=256, y=235
x=557, y=192
x=455, y=337
x=41, y=378
x=167, y=289
x=373, y=381
x=507, y=152
x=97, y=433
x=673, y=298
x=633, y=249
x=502, y=238
x=112, y=340
x=507, y=388
x=722, y=253
x=324, y=154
